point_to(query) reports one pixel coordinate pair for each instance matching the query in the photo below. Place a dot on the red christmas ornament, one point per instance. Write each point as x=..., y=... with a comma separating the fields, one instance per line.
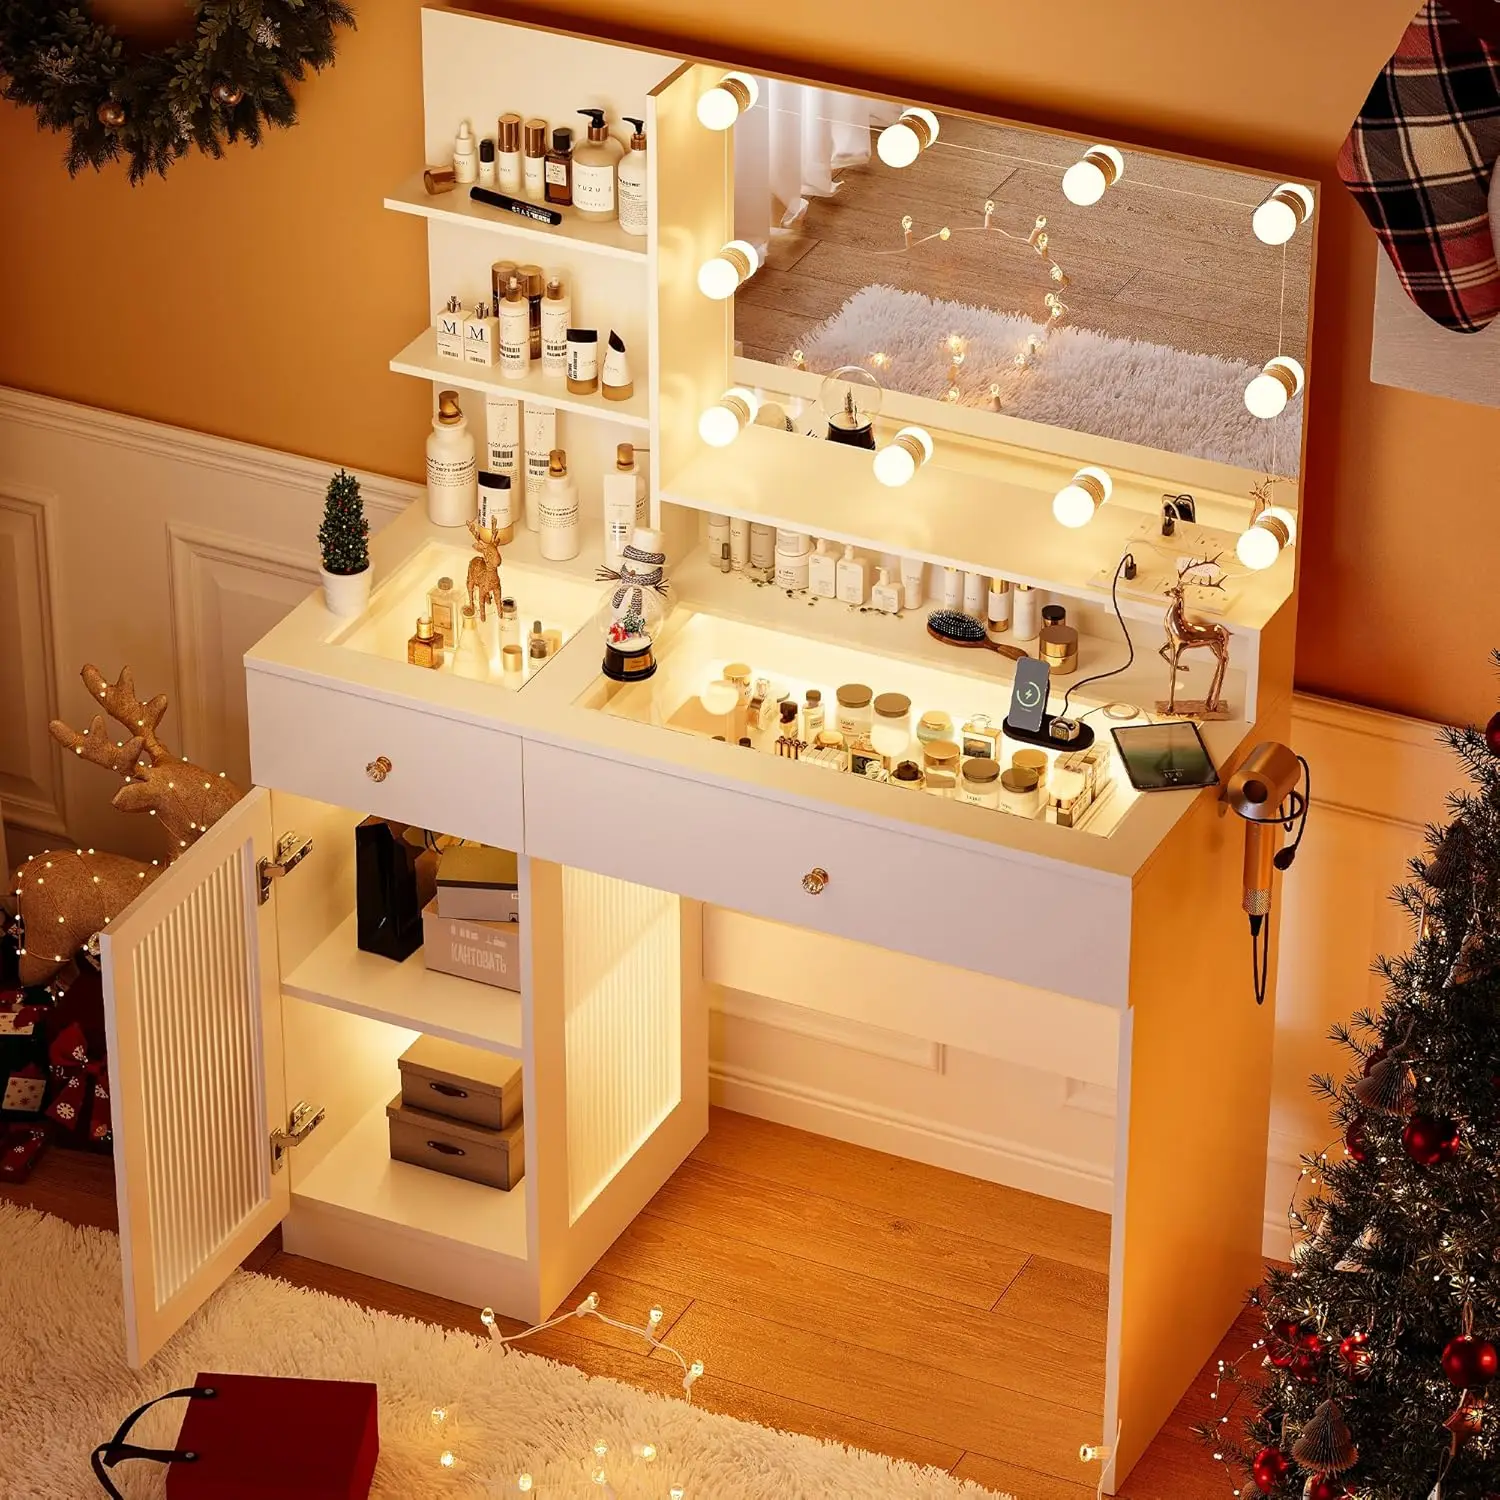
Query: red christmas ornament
x=1469, y=1362
x=1287, y=1329
x=1308, y=1337
x=1325, y=1487
x=1430, y=1141
x=1307, y=1365
x=1356, y=1142
x=1270, y=1467
x=1280, y=1355
x=1492, y=734
x=1356, y=1353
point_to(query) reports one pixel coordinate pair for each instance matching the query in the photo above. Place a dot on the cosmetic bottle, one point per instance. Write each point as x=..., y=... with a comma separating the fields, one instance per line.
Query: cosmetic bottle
x=448, y=327
x=481, y=330
x=793, y=553
x=534, y=160
x=981, y=738
x=979, y=782
x=424, y=649
x=975, y=592
x=439, y=180
x=1026, y=606
x=558, y=512
x=533, y=288
x=510, y=625
x=724, y=564
x=953, y=588
x=515, y=336
x=997, y=614
x=594, y=170
x=854, y=711
x=500, y=273
x=512, y=661
x=890, y=725
x=536, y=642
x=539, y=423
x=822, y=572
x=630, y=182
x=1053, y=614
x=452, y=490
x=1018, y=793
x=583, y=361
x=913, y=582
x=718, y=533
x=814, y=716
x=615, y=382
x=470, y=659
x=559, y=171
x=508, y=162
x=442, y=609
x=502, y=431
x=557, y=312
x=739, y=543
x=497, y=505
x=762, y=549
x=933, y=726
x=885, y=596
x=853, y=575
x=487, y=163
x=625, y=505
x=465, y=157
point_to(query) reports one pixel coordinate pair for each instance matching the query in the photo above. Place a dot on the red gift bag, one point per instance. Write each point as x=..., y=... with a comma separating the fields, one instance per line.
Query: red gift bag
x=246, y=1437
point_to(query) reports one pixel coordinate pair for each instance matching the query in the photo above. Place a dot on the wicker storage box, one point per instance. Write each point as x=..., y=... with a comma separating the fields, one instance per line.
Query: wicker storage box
x=461, y=1083
x=496, y=1158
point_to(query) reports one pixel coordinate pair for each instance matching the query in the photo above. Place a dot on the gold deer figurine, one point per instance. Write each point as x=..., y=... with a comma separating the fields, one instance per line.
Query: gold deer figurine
x=484, y=570
x=1184, y=634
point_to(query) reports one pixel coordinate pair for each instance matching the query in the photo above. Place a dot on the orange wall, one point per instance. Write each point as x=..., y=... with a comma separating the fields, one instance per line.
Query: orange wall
x=260, y=297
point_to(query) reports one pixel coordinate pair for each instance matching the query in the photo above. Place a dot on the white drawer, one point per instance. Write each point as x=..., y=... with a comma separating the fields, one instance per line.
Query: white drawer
x=1042, y=923
x=444, y=774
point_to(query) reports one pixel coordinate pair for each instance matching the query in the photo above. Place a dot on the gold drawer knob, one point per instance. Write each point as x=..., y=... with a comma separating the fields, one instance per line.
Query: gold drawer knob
x=814, y=881
x=379, y=768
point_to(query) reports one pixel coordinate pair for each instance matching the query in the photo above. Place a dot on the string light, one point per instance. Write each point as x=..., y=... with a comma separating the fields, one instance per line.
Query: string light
x=901, y=143
x=1085, y=182
x=720, y=106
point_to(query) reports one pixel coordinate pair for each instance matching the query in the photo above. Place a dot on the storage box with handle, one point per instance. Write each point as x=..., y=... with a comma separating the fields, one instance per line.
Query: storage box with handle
x=461, y=1083
x=496, y=1158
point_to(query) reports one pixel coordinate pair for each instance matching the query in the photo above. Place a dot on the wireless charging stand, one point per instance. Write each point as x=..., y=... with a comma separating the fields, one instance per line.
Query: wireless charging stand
x=1046, y=741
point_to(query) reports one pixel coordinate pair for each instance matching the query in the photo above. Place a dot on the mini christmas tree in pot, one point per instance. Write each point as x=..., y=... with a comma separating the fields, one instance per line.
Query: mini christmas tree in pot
x=346, y=553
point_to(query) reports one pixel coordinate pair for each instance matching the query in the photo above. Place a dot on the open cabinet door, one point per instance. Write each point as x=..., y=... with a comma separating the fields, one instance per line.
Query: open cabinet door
x=192, y=1010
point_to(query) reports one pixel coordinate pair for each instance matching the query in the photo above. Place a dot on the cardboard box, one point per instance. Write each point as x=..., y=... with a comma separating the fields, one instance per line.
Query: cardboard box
x=461, y=1083
x=496, y=1158
x=478, y=882
x=489, y=952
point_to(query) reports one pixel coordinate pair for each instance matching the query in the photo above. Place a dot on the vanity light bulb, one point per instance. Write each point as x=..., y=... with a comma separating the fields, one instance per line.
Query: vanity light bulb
x=720, y=425
x=1278, y=216
x=1085, y=181
x=720, y=106
x=900, y=459
x=1280, y=380
x=1260, y=545
x=899, y=145
x=1075, y=503
x=723, y=276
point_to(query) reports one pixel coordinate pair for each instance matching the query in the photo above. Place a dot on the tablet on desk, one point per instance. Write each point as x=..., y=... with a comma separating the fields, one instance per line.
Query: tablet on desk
x=1165, y=757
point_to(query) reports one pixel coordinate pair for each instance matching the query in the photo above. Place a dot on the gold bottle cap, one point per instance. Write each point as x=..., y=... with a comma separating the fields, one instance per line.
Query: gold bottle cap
x=513, y=289
x=935, y=721
x=554, y=286
x=424, y=628
x=892, y=706
x=534, y=133
x=625, y=456
x=533, y=280
x=445, y=583
x=510, y=133
x=941, y=753
x=829, y=739
x=557, y=464
x=449, y=412
x=854, y=695
x=981, y=769
x=467, y=611
x=1021, y=779
x=738, y=672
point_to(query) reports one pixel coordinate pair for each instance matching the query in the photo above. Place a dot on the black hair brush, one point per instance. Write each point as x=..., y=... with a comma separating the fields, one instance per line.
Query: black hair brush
x=955, y=629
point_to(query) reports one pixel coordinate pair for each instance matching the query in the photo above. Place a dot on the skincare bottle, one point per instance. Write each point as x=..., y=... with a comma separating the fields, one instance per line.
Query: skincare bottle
x=449, y=330
x=465, y=156
x=480, y=336
x=510, y=625
x=583, y=361
x=515, y=335
x=853, y=577
x=442, y=610
x=557, y=313
x=625, y=505
x=630, y=187
x=536, y=642
x=533, y=286
x=452, y=490
x=739, y=543
x=500, y=273
x=534, y=161
x=725, y=565
x=822, y=572
x=885, y=596
x=470, y=659
x=997, y=614
x=793, y=553
x=615, y=383
x=594, y=170
x=424, y=649
x=762, y=549
x=560, y=169
x=559, y=511
x=487, y=163
x=953, y=588
x=497, y=505
x=718, y=533
x=814, y=716
x=974, y=595
x=502, y=430
x=508, y=167
x=1026, y=607
x=913, y=582
x=539, y=423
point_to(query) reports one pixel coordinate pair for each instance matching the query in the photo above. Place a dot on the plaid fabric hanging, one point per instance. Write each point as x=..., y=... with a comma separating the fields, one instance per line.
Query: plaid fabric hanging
x=1418, y=161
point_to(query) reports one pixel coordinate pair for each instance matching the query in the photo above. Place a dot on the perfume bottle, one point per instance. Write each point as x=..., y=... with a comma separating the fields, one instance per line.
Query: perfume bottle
x=559, y=172
x=536, y=642
x=424, y=649
x=470, y=659
x=442, y=609
x=480, y=336
x=448, y=329
x=510, y=625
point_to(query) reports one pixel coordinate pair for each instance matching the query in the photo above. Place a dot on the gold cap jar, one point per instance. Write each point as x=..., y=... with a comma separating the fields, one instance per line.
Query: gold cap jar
x=534, y=136
x=1032, y=761
x=940, y=755
x=1059, y=649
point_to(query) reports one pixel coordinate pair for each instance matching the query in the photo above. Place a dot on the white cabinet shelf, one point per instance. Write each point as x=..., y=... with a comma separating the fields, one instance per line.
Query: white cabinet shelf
x=457, y=207
x=338, y=974
x=420, y=358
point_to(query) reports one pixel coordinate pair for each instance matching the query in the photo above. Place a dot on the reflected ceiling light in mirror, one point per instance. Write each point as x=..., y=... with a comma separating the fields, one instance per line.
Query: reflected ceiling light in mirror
x=720, y=106
x=1280, y=215
x=722, y=276
x=723, y=422
x=1084, y=183
x=899, y=460
x=900, y=144
x=1267, y=395
x=1260, y=545
x=1075, y=503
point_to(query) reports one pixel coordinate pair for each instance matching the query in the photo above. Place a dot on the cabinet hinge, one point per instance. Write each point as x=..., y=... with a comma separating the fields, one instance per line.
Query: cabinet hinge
x=291, y=850
x=301, y=1123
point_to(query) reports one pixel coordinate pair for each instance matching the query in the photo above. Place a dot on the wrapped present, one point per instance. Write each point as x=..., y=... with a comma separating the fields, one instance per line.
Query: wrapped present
x=20, y=1147
x=23, y=1056
x=79, y=1102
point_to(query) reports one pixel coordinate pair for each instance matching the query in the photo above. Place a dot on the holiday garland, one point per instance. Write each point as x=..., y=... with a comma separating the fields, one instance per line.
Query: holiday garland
x=226, y=82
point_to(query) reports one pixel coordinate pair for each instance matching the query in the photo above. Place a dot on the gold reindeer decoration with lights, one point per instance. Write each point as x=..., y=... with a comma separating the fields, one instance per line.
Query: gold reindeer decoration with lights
x=484, y=570
x=1184, y=634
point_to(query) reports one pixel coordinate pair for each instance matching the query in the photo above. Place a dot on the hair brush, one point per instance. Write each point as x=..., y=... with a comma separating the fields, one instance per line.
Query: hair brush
x=955, y=629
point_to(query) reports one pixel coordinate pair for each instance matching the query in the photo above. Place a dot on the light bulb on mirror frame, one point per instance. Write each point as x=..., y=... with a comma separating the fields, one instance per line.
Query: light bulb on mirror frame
x=1260, y=544
x=720, y=106
x=901, y=143
x=897, y=463
x=1085, y=182
x=1267, y=394
x=1076, y=502
x=1281, y=213
x=723, y=275
x=723, y=422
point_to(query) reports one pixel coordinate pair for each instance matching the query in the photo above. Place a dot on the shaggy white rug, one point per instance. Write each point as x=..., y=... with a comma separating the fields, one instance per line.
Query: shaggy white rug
x=65, y=1388
x=1086, y=381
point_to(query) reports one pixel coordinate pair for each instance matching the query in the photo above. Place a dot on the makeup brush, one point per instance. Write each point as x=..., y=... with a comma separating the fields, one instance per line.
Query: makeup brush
x=955, y=629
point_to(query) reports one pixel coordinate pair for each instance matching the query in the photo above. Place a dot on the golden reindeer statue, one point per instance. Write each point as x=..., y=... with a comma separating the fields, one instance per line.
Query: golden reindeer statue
x=1184, y=634
x=484, y=570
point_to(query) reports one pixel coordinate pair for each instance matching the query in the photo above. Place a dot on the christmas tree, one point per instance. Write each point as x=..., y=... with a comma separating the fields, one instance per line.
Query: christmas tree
x=344, y=530
x=1371, y=1378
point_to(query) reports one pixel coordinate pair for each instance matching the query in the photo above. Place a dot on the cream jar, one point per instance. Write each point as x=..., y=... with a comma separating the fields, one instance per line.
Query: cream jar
x=979, y=782
x=1019, y=792
x=793, y=554
x=908, y=774
x=854, y=710
x=940, y=755
x=934, y=725
x=1059, y=649
x=1034, y=761
x=940, y=783
x=890, y=728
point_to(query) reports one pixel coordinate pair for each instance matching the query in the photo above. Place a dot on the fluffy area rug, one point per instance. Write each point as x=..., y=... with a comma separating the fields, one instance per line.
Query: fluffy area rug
x=66, y=1388
x=1089, y=382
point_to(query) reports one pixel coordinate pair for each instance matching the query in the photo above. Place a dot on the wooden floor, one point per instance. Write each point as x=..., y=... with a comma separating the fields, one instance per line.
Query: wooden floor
x=833, y=1291
x=1167, y=256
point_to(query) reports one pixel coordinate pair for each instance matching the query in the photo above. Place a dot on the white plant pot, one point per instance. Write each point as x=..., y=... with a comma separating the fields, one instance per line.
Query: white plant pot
x=346, y=593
